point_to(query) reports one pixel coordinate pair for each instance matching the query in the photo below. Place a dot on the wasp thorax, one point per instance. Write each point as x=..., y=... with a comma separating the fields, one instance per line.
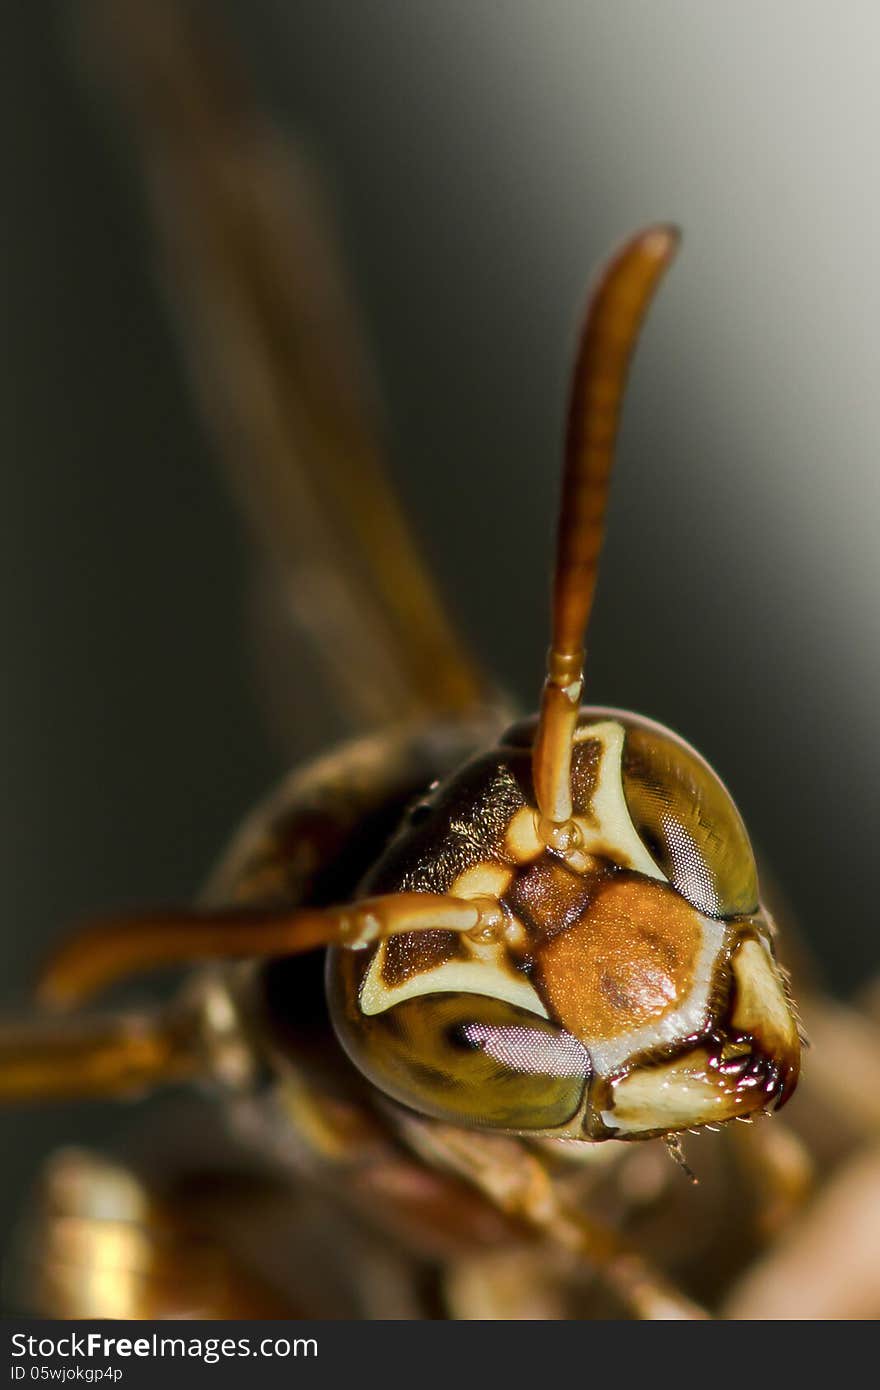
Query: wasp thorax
x=621, y=984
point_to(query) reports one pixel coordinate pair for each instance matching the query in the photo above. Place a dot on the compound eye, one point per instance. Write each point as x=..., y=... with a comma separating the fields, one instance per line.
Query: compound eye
x=689, y=824
x=469, y=1059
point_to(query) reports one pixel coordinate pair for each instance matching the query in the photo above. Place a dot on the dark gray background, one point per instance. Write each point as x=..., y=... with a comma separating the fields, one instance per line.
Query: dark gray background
x=484, y=156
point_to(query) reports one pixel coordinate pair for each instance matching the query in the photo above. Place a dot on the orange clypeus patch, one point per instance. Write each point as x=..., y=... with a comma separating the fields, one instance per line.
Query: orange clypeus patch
x=630, y=958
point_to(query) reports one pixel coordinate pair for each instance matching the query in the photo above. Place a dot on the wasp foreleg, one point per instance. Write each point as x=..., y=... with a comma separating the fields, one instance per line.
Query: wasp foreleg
x=119, y=1055
x=517, y=1182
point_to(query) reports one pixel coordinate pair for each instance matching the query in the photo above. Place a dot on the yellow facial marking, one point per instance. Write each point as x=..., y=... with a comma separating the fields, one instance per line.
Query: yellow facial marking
x=610, y=831
x=762, y=1008
x=681, y=1095
x=487, y=972
x=477, y=976
x=482, y=881
x=522, y=841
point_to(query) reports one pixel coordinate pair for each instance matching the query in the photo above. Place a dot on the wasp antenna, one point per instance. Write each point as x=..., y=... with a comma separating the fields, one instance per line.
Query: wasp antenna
x=105, y=952
x=614, y=316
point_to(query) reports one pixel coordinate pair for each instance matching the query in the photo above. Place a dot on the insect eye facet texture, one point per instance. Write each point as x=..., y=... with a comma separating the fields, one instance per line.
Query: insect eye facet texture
x=688, y=821
x=470, y=1059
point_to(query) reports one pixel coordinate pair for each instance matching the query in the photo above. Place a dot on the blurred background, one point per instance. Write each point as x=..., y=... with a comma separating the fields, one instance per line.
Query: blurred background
x=481, y=158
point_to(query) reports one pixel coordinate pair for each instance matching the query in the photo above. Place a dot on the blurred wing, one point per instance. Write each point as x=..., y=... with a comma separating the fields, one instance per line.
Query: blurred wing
x=274, y=354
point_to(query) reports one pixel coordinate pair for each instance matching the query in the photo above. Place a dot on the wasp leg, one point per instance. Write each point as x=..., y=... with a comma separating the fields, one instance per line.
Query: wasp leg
x=198, y=1037
x=781, y=1170
x=505, y=1286
x=100, y=1244
x=121, y=1055
x=517, y=1183
x=843, y=1078
x=826, y=1268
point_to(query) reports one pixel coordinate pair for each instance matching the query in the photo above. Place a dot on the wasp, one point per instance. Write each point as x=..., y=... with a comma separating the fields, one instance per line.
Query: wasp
x=460, y=982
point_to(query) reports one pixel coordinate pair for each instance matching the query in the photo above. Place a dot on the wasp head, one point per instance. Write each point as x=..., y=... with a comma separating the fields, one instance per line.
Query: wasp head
x=626, y=984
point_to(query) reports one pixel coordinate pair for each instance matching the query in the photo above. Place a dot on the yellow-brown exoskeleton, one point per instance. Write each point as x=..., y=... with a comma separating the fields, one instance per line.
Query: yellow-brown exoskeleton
x=621, y=982
x=622, y=988
x=563, y=937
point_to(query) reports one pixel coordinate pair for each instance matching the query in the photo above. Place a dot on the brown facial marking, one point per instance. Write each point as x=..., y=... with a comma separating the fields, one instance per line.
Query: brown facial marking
x=628, y=959
x=412, y=953
x=586, y=760
x=547, y=897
